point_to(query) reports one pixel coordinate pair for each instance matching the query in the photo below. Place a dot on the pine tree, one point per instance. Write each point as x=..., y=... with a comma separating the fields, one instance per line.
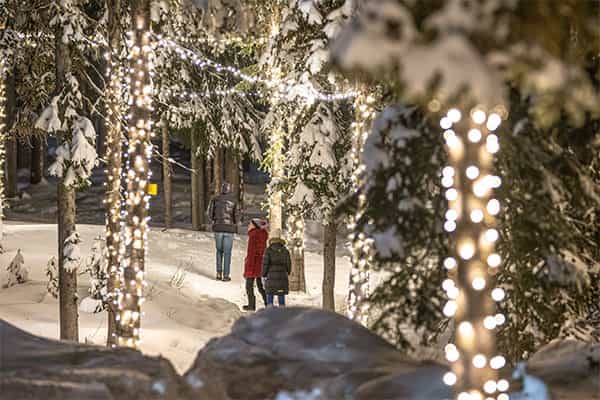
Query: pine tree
x=550, y=271
x=17, y=272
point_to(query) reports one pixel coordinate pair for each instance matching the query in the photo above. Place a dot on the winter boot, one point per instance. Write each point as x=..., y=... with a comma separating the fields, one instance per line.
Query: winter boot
x=249, y=307
x=219, y=276
x=226, y=279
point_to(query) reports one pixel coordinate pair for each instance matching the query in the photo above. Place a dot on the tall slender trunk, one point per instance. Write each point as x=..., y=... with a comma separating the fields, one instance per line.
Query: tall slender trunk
x=232, y=172
x=167, y=174
x=197, y=177
x=218, y=171
x=10, y=190
x=10, y=187
x=276, y=197
x=296, y=246
x=136, y=225
x=24, y=154
x=114, y=166
x=67, y=280
x=37, y=160
x=329, y=244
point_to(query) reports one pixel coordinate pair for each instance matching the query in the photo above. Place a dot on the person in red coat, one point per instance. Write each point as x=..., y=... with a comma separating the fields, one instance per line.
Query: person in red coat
x=257, y=243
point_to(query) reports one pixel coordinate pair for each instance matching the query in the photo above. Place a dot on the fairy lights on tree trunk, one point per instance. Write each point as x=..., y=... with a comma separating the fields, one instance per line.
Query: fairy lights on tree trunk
x=2, y=140
x=361, y=246
x=113, y=156
x=469, y=184
x=138, y=175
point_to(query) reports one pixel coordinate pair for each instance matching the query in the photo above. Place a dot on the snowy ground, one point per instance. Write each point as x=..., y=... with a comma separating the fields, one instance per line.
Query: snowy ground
x=178, y=321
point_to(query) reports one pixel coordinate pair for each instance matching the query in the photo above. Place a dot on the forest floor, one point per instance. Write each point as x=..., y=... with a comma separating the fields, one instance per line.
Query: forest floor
x=179, y=317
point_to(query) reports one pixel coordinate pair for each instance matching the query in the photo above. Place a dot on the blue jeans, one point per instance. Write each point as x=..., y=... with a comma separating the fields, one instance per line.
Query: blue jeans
x=280, y=300
x=224, y=244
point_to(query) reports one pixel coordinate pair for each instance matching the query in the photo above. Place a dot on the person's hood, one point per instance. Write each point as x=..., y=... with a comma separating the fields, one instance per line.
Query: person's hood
x=276, y=240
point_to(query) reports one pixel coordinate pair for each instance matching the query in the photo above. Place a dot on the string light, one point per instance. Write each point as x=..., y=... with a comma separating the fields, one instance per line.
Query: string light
x=3, y=136
x=141, y=66
x=470, y=216
x=361, y=246
x=115, y=108
x=288, y=89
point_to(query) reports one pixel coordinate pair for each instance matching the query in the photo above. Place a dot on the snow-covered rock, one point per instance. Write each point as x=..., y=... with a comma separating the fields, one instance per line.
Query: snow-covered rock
x=297, y=352
x=38, y=368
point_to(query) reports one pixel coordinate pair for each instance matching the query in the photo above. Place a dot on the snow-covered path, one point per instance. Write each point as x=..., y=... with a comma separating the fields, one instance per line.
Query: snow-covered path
x=177, y=321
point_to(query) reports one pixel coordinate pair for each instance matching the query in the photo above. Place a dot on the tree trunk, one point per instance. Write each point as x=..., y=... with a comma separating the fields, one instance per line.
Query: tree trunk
x=232, y=172
x=167, y=174
x=66, y=215
x=11, y=167
x=67, y=281
x=130, y=301
x=296, y=246
x=24, y=155
x=37, y=160
x=114, y=166
x=217, y=171
x=10, y=187
x=329, y=243
x=197, y=176
x=275, y=196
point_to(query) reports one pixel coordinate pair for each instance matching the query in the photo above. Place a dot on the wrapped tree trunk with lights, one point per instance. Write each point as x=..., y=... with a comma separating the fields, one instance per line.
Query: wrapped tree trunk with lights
x=113, y=156
x=138, y=175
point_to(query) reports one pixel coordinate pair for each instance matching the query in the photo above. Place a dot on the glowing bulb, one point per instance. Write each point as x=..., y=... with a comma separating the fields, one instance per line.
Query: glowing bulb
x=450, y=308
x=453, y=141
x=497, y=362
x=491, y=144
x=450, y=263
x=478, y=116
x=472, y=172
x=466, y=250
x=476, y=216
x=449, y=226
x=503, y=396
x=451, y=194
x=498, y=294
x=451, y=215
x=449, y=378
x=493, y=122
x=447, y=181
x=454, y=115
x=465, y=328
x=489, y=322
x=503, y=385
x=474, y=135
x=489, y=387
x=478, y=283
x=480, y=188
x=494, y=260
x=452, y=292
x=447, y=284
x=479, y=361
x=491, y=235
x=500, y=319
x=448, y=171
x=449, y=133
x=493, y=207
x=464, y=396
x=446, y=123
x=452, y=353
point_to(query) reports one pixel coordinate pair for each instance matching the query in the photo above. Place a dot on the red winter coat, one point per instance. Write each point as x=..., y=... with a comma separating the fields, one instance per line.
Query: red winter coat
x=257, y=243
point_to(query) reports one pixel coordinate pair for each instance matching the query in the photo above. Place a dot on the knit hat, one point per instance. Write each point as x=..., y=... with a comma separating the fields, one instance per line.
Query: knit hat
x=258, y=223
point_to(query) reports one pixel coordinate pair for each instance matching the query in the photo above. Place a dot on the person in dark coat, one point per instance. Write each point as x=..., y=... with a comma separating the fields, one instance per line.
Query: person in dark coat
x=224, y=217
x=257, y=243
x=277, y=265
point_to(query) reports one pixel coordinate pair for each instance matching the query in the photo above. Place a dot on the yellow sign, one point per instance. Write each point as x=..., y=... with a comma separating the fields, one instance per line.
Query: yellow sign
x=153, y=189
